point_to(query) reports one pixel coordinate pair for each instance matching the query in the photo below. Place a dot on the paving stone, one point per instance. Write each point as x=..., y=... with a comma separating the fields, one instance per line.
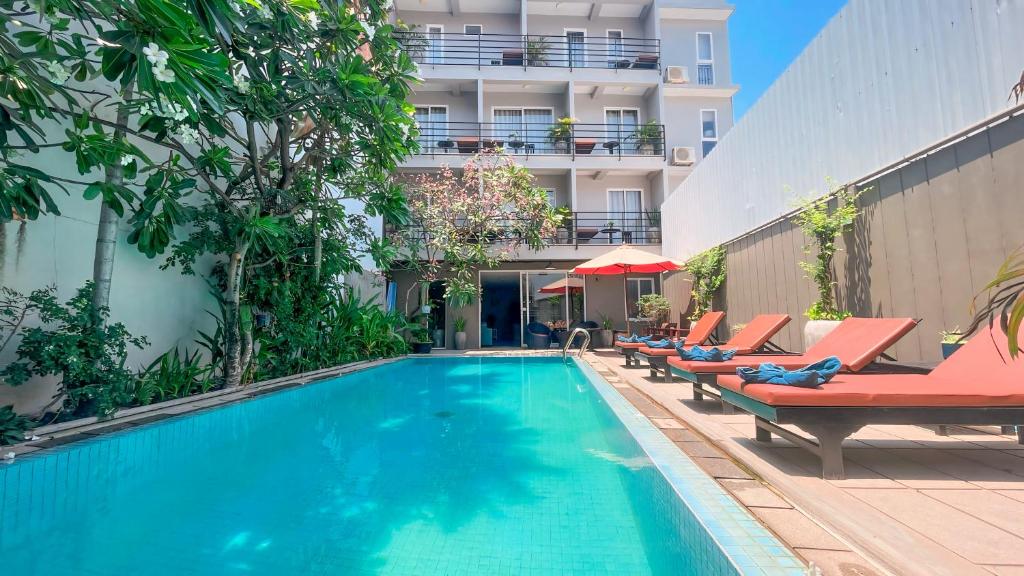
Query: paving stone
x=837, y=563
x=946, y=525
x=1015, y=494
x=722, y=468
x=682, y=435
x=666, y=423
x=903, y=470
x=963, y=468
x=1017, y=570
x=699, y=450
x=753, y=493
x=987, y=505
x=798, y=530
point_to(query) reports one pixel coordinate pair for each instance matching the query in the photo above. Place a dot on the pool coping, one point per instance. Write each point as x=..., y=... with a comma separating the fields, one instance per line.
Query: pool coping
x=748, y=545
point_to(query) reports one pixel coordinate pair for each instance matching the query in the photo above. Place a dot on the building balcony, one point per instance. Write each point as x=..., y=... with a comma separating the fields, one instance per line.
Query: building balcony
x=531, y=51
x=567, y=141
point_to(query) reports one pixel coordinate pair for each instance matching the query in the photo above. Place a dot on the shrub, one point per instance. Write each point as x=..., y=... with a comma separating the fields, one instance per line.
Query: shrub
x=12, y=426
x=654, y=306
x=708, y=272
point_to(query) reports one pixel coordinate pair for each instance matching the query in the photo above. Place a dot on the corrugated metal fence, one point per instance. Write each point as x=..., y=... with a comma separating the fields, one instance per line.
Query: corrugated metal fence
x=883, y=80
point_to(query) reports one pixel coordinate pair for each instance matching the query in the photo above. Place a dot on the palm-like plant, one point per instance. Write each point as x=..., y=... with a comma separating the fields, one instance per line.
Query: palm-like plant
x=1005, y=301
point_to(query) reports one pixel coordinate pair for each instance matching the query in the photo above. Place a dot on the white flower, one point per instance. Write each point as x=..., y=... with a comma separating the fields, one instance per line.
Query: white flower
x=156, y=56
x=313, y=19
x=370, y=30
x=58, y=73
x=126, y=160
x=145, y=110
x=241, y=84
x=188, y=134
x=163, y=74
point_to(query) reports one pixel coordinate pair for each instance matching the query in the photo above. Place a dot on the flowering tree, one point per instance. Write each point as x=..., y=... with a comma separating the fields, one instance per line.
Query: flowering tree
x=471, y=219
x=240, y=118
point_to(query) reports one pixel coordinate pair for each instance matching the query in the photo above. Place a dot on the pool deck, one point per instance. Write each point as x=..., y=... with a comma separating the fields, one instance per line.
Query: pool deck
x=913, y=502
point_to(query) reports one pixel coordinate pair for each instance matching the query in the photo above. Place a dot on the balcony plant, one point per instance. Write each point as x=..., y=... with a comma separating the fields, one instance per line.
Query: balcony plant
x=951, y=341
x=654, y=307
x=560, y=133
x=653, y=235
x=537, y=52
x=647, y=138
x=606, y=333
x=708, y=272
x=1004, y=301
x=460, y=332
x=823, y=225
x=565, y=222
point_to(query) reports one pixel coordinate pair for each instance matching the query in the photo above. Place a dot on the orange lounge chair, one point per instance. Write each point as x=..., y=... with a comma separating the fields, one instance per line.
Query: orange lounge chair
x=978, y=385
x=857, y=342
x=753, y=339
x=703, y=331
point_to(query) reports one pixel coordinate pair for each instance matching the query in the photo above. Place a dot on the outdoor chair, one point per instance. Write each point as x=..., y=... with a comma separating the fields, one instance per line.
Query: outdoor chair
x=702, y=332
x=857, y=342
x=754, y=338
x=979, y=385
x=538, y=336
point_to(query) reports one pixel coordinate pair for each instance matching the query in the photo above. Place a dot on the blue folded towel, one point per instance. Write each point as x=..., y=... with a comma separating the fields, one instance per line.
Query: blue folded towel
x=633, y=339
x=709, y=355
x=810, y=376
x=663, y=343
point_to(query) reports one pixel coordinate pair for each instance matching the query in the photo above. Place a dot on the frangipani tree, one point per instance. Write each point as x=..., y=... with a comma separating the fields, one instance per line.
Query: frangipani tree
x=239, y=118
x=475, y=218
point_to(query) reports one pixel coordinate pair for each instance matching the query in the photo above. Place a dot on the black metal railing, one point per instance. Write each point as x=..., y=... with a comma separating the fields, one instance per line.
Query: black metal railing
x=531, y=50
x=515, y=137
x=595, y=228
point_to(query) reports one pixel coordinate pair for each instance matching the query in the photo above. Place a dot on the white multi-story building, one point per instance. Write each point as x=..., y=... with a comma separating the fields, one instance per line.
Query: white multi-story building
x=648, y=85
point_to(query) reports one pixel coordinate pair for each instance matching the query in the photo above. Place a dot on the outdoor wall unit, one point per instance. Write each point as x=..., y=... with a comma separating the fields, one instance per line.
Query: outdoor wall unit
x=683, y=155
x=677, y=75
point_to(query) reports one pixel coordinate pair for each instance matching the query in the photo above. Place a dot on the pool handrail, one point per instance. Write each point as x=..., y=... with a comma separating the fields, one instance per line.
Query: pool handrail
x=572, y=337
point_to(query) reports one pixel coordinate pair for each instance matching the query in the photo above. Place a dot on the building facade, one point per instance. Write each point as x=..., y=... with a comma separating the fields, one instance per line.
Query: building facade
x=648, y=88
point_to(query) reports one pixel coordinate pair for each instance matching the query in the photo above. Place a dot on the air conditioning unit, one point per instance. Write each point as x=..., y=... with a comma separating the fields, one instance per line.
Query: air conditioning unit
x=677, y=75
x=683, y=155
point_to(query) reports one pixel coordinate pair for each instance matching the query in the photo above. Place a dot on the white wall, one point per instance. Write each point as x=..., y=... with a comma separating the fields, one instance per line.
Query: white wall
x=679, y=46
x=492, y=23
x=881, y=81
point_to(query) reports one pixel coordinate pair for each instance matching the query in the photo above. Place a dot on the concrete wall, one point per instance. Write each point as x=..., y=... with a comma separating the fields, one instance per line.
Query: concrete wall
x=679, y=47
x=492, y=23
x=591, y=110
x=460, y=108
x=882, y=81
x=556, y=25
x=682, y=120
x=556, y=101
x=931, y=235
x=592, y=195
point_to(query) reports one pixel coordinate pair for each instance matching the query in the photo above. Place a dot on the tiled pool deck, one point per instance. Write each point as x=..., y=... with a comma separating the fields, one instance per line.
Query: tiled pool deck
x=913, y=503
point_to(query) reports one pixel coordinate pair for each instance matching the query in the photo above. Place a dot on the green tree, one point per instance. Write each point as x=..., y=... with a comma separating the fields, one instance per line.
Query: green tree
x=708, y=272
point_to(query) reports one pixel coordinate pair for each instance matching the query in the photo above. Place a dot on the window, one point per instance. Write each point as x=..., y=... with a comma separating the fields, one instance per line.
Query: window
x=435, y=44
x=625, y=214
x=576, y=41
x=433, y=124
x=473, y=30
x=523, y=130
x=620, y=123
x=708, y=131
x=551, y=197
x=705, y=59
x=636, y=288
x=614, y=48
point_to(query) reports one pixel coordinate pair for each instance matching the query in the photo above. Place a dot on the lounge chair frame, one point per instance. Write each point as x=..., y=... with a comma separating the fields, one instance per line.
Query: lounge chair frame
x=659, y=364
x=829, y=426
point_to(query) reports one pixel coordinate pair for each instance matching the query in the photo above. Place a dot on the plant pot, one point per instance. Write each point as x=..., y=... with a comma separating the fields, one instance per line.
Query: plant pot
x=460, y=340
x=421, y=347
x=815, y=330
x=562, y=146
x=438, y=337
x=645, y=149
x=948, y=348
x=606, y=338
x=653, y=235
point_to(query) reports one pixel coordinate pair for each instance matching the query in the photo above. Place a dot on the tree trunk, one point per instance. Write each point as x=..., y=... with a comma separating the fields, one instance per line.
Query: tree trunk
x=237, y=345
x=106, y=233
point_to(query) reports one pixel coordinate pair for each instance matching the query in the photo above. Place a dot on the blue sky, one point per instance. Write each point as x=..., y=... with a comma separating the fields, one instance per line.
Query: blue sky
x=765, y=36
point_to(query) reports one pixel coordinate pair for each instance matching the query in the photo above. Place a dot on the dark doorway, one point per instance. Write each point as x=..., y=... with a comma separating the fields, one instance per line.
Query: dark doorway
x=438, y=312
x=500, y=311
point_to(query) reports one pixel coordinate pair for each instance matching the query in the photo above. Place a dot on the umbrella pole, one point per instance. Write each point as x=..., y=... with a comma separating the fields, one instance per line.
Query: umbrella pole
x=625, y=300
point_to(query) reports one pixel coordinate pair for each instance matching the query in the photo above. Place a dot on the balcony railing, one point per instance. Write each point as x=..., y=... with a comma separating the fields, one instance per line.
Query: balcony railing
x=531, y=50
x=609, y=140
x=598, y=229
x=705, y=74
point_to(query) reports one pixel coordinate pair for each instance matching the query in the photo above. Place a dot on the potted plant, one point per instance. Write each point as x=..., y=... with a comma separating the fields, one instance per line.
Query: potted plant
x=951, y=341
x=460, y=333
x=419, y=338
x=653, y=235
x=537, y=52
x=824, y=225
x=654, y=307
x=560, y=133
x=1004, y=298
x=606, y=334
x=515, y=142
x=708, y=272
x=565, y=222
x=647, y=138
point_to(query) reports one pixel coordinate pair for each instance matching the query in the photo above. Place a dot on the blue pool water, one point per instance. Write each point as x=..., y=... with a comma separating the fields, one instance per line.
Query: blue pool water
x=421, y=467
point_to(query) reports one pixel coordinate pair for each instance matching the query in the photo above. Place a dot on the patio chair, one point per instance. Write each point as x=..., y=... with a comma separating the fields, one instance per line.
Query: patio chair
x=538, y=336
x=979, y=385
x=701, y=333
x=754, y=338
x=857, y=342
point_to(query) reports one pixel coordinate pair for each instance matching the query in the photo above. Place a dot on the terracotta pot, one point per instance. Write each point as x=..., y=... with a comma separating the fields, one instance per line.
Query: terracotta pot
x=815, y=330
x=460, y=340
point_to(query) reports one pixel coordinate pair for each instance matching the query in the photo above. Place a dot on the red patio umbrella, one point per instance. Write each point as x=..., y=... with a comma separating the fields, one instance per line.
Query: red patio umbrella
x=628, y=260
x=562, y=285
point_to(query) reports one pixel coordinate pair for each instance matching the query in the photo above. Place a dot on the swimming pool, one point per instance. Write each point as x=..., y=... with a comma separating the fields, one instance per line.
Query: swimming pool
x=454, y=466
